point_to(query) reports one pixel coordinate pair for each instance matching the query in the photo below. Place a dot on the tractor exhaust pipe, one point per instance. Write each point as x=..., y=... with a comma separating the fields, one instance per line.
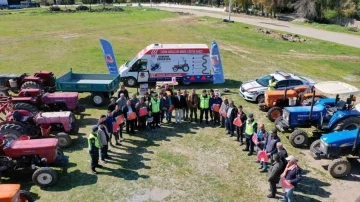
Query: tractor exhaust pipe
x=312, y=105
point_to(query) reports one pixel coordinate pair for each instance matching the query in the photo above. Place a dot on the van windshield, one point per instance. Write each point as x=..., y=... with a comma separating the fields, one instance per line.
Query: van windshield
x=131, y=63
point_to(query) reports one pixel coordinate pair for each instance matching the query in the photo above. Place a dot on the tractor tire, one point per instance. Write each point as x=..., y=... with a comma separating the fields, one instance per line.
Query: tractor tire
x=349, y=123
x=298, y=138
x=260, y=99
x=13, y=131
x=64, y=140
x=4, y=93
x=186, y=68
x=98, y=99
x=274, y=113
x=314, y=145
x=44, y=177
x=26, y=106
x=31, y=85
x=339, y=168
x=130, y=82
x=25, y=196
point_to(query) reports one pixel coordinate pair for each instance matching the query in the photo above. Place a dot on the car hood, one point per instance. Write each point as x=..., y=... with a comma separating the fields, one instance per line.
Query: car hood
x=252, y=86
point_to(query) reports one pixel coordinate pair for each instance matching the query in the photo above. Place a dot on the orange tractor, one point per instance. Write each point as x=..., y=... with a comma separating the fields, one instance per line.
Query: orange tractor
x=276, y=100
x=12, y=193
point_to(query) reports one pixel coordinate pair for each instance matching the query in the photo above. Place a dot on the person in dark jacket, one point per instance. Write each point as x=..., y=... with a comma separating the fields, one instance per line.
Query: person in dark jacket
x=124, y=91
x=240, y=130
x=141, y=119
x=230, y=116
x=179, y=104
x=111, y=106
x=270, y=147
x=116, y=113
x=216, y=100
x=168, y=90
x=186, y=108
x=147, y=97
x=104, y=137
x=211, y=95
x=101, y=119
x=164, y=106
x=250, y=129
x=129, y=123
x=292, y=175
x=110, y=121
x=134, y=100
x=274, y=175
x=193, y=104
x=281, y=151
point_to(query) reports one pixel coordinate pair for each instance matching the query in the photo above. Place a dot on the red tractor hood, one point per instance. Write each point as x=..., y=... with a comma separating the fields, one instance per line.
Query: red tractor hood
x=44, y=148
x=69, y=98
x=53, y=117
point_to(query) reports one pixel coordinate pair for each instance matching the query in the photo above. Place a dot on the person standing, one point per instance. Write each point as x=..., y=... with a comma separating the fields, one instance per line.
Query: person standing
x=186, y=108
x=104, y=138
x=270, y=147
x=101, y=119
x=141, y=119
x=123, y=91
x=193, y=103
x=168, y=90
x=93, y=145
x=116, y=114
x=250, y=129
x=239, y=130
x=272, y=84
x=211, y=95
x=179, y=104
x=292, y=175
x=127, y=109
x=164, y=105
x=274, y=175
x=216, y=100
x=168, y=113
x=230, y=116
x=204, y=106
x=262, y=135
x=147, y=97
x=281, y=151
x=155, y=110
x=121, y=101
x=111, y=106
x=109, y=125
x=134, y=100
x=224, y=107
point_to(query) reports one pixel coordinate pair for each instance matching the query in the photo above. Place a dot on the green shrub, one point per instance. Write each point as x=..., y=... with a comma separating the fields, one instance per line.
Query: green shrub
x=331, y=14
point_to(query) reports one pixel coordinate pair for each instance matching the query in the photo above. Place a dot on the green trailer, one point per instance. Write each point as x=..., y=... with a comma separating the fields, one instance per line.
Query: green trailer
x=101, y=86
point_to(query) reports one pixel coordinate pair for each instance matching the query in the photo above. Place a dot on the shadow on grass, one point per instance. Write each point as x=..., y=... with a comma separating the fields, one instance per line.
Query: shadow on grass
x=313, y=186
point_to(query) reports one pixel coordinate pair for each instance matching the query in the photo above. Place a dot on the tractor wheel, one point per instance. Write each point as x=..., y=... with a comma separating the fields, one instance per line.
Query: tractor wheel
x=350, y=123
x=274, y=113
x=186, y=68
x=339, y=168
x=298, y=138
x=26, y=106
x=260, y=99
x=130, y=82
x=4, y=93
x=25, y=196
x=12, y=131
x=314, y=146
x=98, y=99
x=31, y=84
x=44, y=177
x=64, y=140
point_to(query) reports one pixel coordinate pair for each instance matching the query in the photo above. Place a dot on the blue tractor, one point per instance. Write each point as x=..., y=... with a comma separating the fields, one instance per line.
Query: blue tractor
x=336, y=145
x=327, y=115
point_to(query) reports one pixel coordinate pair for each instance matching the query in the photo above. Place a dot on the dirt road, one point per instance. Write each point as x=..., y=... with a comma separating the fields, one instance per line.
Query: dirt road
x=340, y=38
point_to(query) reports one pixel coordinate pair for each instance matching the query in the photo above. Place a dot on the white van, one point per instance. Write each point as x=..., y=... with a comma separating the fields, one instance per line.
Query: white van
x=189, y=63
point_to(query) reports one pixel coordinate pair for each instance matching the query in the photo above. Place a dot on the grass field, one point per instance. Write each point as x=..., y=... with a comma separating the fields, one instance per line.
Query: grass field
x=185, y=162
x=330, y=27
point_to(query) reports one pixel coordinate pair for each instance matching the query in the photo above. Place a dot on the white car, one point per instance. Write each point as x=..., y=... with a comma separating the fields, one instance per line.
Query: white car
x=254, y=90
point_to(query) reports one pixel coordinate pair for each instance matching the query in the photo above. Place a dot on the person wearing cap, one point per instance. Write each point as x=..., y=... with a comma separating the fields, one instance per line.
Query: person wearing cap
x=104, y=138
x=213, y=101
x=274, y=175
x=179, y=104
x=272, y=84
x=230, y=116
x=250, y=129
x=239, y=130
x=292, y=175
x=270, y=147
x=211, y=95
x=155, y=110
x=204, y=106
x=127, y=109
x=224, y=107
x=94, y=145
x=193, y=103
x=111, y=106
x=123, y=91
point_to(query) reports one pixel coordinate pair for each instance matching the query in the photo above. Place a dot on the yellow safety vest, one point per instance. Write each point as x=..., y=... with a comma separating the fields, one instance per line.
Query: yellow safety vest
x=204, y=102
x=155, y=105
x=250, y=127
x=96, y=140
x=272, y=85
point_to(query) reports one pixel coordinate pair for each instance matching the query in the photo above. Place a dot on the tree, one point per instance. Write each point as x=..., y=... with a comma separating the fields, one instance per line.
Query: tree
x=307, y=9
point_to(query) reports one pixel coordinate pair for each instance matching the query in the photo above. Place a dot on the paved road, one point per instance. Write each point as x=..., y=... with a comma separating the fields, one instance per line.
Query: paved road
x=340, y=38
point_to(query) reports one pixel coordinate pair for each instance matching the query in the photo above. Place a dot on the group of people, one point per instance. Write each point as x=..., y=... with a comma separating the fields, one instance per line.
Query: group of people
x=222, y=113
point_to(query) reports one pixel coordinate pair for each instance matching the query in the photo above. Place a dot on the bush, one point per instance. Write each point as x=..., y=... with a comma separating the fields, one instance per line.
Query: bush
x=82, y=8
x=331, y=15
x=54, y=8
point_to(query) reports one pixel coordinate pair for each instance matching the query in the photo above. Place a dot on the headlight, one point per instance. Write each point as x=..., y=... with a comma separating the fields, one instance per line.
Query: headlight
x=286, y=115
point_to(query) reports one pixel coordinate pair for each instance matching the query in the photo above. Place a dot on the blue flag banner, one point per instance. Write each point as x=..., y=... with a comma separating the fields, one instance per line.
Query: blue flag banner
x=109, y=56
x=216, y=64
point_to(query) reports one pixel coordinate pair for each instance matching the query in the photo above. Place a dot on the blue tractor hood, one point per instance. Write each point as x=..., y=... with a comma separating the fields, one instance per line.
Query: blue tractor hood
x=305, y=109
x=326, y=101
x=341, y=138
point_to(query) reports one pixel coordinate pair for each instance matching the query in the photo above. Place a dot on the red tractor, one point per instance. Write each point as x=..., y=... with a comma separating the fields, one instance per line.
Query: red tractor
x=40, y=125
x=33, y=100
x=40, y=80
x=25, y=154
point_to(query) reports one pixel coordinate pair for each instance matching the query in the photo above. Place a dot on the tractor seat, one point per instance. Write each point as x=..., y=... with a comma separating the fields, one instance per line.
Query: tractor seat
x=340, y=105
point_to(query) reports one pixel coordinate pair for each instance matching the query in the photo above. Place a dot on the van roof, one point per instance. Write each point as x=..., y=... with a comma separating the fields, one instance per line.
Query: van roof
x=166, y=46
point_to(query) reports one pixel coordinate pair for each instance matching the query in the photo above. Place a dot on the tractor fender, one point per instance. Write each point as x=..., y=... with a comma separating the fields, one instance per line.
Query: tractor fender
x=339, y=115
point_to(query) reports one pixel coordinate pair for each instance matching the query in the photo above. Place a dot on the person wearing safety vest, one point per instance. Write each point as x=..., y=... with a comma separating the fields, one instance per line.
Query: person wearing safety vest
x=204, y=106
x=272, y=83
x=155, y=111
x=250, y=129
x=94, y=145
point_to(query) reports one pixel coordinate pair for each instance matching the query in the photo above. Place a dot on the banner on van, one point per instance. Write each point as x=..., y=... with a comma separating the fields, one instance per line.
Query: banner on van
x=216, y=64
x=109, y=56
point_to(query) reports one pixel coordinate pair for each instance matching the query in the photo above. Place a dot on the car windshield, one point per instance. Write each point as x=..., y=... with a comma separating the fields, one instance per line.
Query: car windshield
x=130, y=64
x=264, y=81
